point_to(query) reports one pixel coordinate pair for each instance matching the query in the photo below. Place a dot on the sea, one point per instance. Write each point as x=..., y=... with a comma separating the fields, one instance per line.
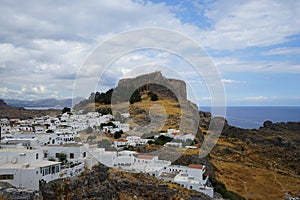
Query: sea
x=253, y=117
x=43, y=108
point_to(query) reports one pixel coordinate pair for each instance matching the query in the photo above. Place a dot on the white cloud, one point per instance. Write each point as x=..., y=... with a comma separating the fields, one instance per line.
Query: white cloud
x=48, y=41
x=231, y=81
x=284, y=51
x=259, y=98
x=232, y=64
x=30, y=92
x=207, y=98
x=240, y=24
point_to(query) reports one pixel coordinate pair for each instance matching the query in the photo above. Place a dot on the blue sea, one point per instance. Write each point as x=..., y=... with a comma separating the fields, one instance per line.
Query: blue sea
x=254, y=116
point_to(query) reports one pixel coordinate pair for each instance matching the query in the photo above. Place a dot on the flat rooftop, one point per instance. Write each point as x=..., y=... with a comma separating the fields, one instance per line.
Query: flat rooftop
x=42, y=163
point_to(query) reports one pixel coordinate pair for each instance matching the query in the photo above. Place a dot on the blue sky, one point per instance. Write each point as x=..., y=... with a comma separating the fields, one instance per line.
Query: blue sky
x=255, y=45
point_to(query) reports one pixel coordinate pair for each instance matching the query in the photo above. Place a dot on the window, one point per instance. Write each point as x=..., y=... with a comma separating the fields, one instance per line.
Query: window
x=45, y=155
x=56, y=168
x=71, y=155
x=45, y=171
x=56, y=155
x=84, y=154
x=6, y=177
x=37, y=156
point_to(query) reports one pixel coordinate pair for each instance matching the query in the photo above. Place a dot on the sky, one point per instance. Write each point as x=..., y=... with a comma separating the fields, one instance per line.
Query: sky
x=253, y=45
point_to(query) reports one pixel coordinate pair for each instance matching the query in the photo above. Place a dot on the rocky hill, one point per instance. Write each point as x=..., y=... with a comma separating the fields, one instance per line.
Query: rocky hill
x=171, y=101
x=4, y=106
x=10, y=112
x=155, y=82
x=51, y=102
x=259, y=163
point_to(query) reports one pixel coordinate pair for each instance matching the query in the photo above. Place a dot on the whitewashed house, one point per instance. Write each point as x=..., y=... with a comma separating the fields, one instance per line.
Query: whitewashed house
x=149, y=164
x=75, y=153
x=5, y=128
x=121, y=143
x=192, y=177
x=123, y=127
x=24, y=167
x=125, y=115
x=136, y=141
x=100, y=155
x=125, y=160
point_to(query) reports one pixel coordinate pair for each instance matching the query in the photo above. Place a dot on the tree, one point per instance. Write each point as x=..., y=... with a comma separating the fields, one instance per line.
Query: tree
x=51, y=159
x=103, y=98
x=154, y=97
x=62, y=157
x=135, y=97
x=161, y=140
x=65, y=110
x=118, y=134
x=91, y=138
x=89, y=130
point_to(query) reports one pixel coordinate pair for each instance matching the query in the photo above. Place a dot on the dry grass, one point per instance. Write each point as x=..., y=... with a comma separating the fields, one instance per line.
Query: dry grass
x=250, y=174
x=168, y=107
x=255, y=183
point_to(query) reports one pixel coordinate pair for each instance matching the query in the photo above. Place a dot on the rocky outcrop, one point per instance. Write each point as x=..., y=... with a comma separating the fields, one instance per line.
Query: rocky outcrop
x=155, y=82
x=7, y=191
x=104, y=183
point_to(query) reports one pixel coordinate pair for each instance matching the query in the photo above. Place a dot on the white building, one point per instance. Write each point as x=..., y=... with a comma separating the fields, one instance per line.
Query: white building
x=173, y=144
x=100, y=155
x=149, y=164
x=75, y=153
x=121, y=143
x=191, y=177
x=24, y=167
x=136, y=141
x=125, y=115
x=5, y=128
